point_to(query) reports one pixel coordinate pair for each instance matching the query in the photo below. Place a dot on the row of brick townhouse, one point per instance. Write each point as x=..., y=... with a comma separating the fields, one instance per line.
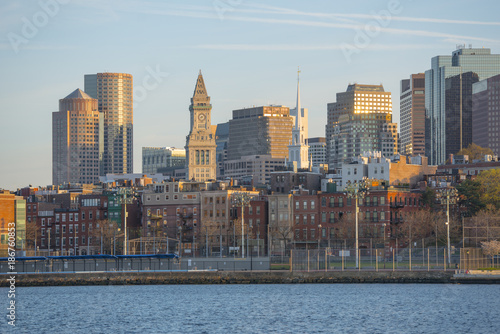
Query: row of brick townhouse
x=325, y=219
x=187, y=217
x=80, y=226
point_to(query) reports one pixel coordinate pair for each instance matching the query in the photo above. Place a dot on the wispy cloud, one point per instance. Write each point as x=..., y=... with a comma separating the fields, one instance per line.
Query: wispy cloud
x=331, y=19
x=302, y=47
x=288, y=11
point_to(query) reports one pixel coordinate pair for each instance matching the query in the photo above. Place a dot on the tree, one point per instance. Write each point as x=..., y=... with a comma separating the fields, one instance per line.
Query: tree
x=469, y=193
x=491, y=248
x=429, y=198
x=485, y=224
x=104, y=231
x=345, y=229
x=475, y=152
x=207, y=235
x=283, y=231
x=417, y=225
x=490, y=186
x=33, y=232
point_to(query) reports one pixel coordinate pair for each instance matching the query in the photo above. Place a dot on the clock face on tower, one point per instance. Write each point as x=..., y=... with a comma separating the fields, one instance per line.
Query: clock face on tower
x=201, y=117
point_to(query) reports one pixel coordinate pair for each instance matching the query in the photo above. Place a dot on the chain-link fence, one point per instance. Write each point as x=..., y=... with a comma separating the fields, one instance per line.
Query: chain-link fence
x=325, y=259
x=474, y=258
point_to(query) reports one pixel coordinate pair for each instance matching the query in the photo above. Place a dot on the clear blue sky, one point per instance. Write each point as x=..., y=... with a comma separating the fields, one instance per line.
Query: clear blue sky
x=248, y=52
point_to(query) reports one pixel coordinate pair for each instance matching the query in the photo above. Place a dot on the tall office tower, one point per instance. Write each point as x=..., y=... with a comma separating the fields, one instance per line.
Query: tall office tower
x=298, y=151
x=412, y=115
x=200, y=143
x=462, y=60
x=458, y=111
x=75, y=140
x=486, y=113
x=162, y=159
x=317, y=151
x=265, y=130
x=221, y=139
x=114, y=92
x=359, y=122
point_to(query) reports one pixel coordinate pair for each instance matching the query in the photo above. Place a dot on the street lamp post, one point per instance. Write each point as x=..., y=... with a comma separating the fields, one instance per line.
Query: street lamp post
x=319, y=235
x=384, y=225
x=357, y=190
x=241, y=199
x=124, y=197
x=448, y=195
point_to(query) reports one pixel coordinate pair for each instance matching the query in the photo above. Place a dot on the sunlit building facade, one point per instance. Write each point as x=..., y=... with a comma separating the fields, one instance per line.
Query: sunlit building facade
x=75, y=140
x=114, y=93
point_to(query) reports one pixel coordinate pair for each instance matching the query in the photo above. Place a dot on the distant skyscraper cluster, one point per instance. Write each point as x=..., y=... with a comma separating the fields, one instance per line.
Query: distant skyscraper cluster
x=448, y=99
x=92, y=132
x=451, y=105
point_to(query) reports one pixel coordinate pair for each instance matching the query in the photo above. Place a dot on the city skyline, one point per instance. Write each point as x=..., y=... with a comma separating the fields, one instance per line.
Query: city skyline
x=248, y=52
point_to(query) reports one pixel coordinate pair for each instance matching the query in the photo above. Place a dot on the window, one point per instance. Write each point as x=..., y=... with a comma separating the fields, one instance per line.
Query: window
x=297, y=205
x=341, y=202
x=257, y=210
x=382, y=215
x=323, y=232
x=70, y=217
x=313, y=233
x=349, y=201
x=250, y=210
x=43, y=221
x=71, y=228
x=304, y=205
x=63, y=217
x=323, y=202
x=313, y=219
x=304, y=234
x=257, y=221
x=64, y=229
x=313, y=205
x=323, y=217
x=382, y=200
x=332, y=217
x=43, y=232
x=57, y=218
x=57, y=229
x=90, y=214
x=83, y=227
x=83, y=215
x=297, y=234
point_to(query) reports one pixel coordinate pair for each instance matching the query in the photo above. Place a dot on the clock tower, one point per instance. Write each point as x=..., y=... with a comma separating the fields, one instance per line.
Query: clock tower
x=200, y=143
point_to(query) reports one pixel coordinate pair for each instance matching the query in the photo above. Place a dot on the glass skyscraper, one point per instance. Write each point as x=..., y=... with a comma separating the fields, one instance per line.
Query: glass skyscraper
x=451, y=77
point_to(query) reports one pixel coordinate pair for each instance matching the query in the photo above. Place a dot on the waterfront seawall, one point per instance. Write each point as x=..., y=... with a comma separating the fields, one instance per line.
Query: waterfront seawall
x=222, y=277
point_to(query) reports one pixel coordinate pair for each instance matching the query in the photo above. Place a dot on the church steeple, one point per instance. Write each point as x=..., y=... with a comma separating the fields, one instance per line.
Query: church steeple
x=298, y=151
x=298, y=120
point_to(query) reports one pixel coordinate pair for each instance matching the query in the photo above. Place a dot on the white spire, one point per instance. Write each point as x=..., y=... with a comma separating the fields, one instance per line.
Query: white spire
x=298, y=121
